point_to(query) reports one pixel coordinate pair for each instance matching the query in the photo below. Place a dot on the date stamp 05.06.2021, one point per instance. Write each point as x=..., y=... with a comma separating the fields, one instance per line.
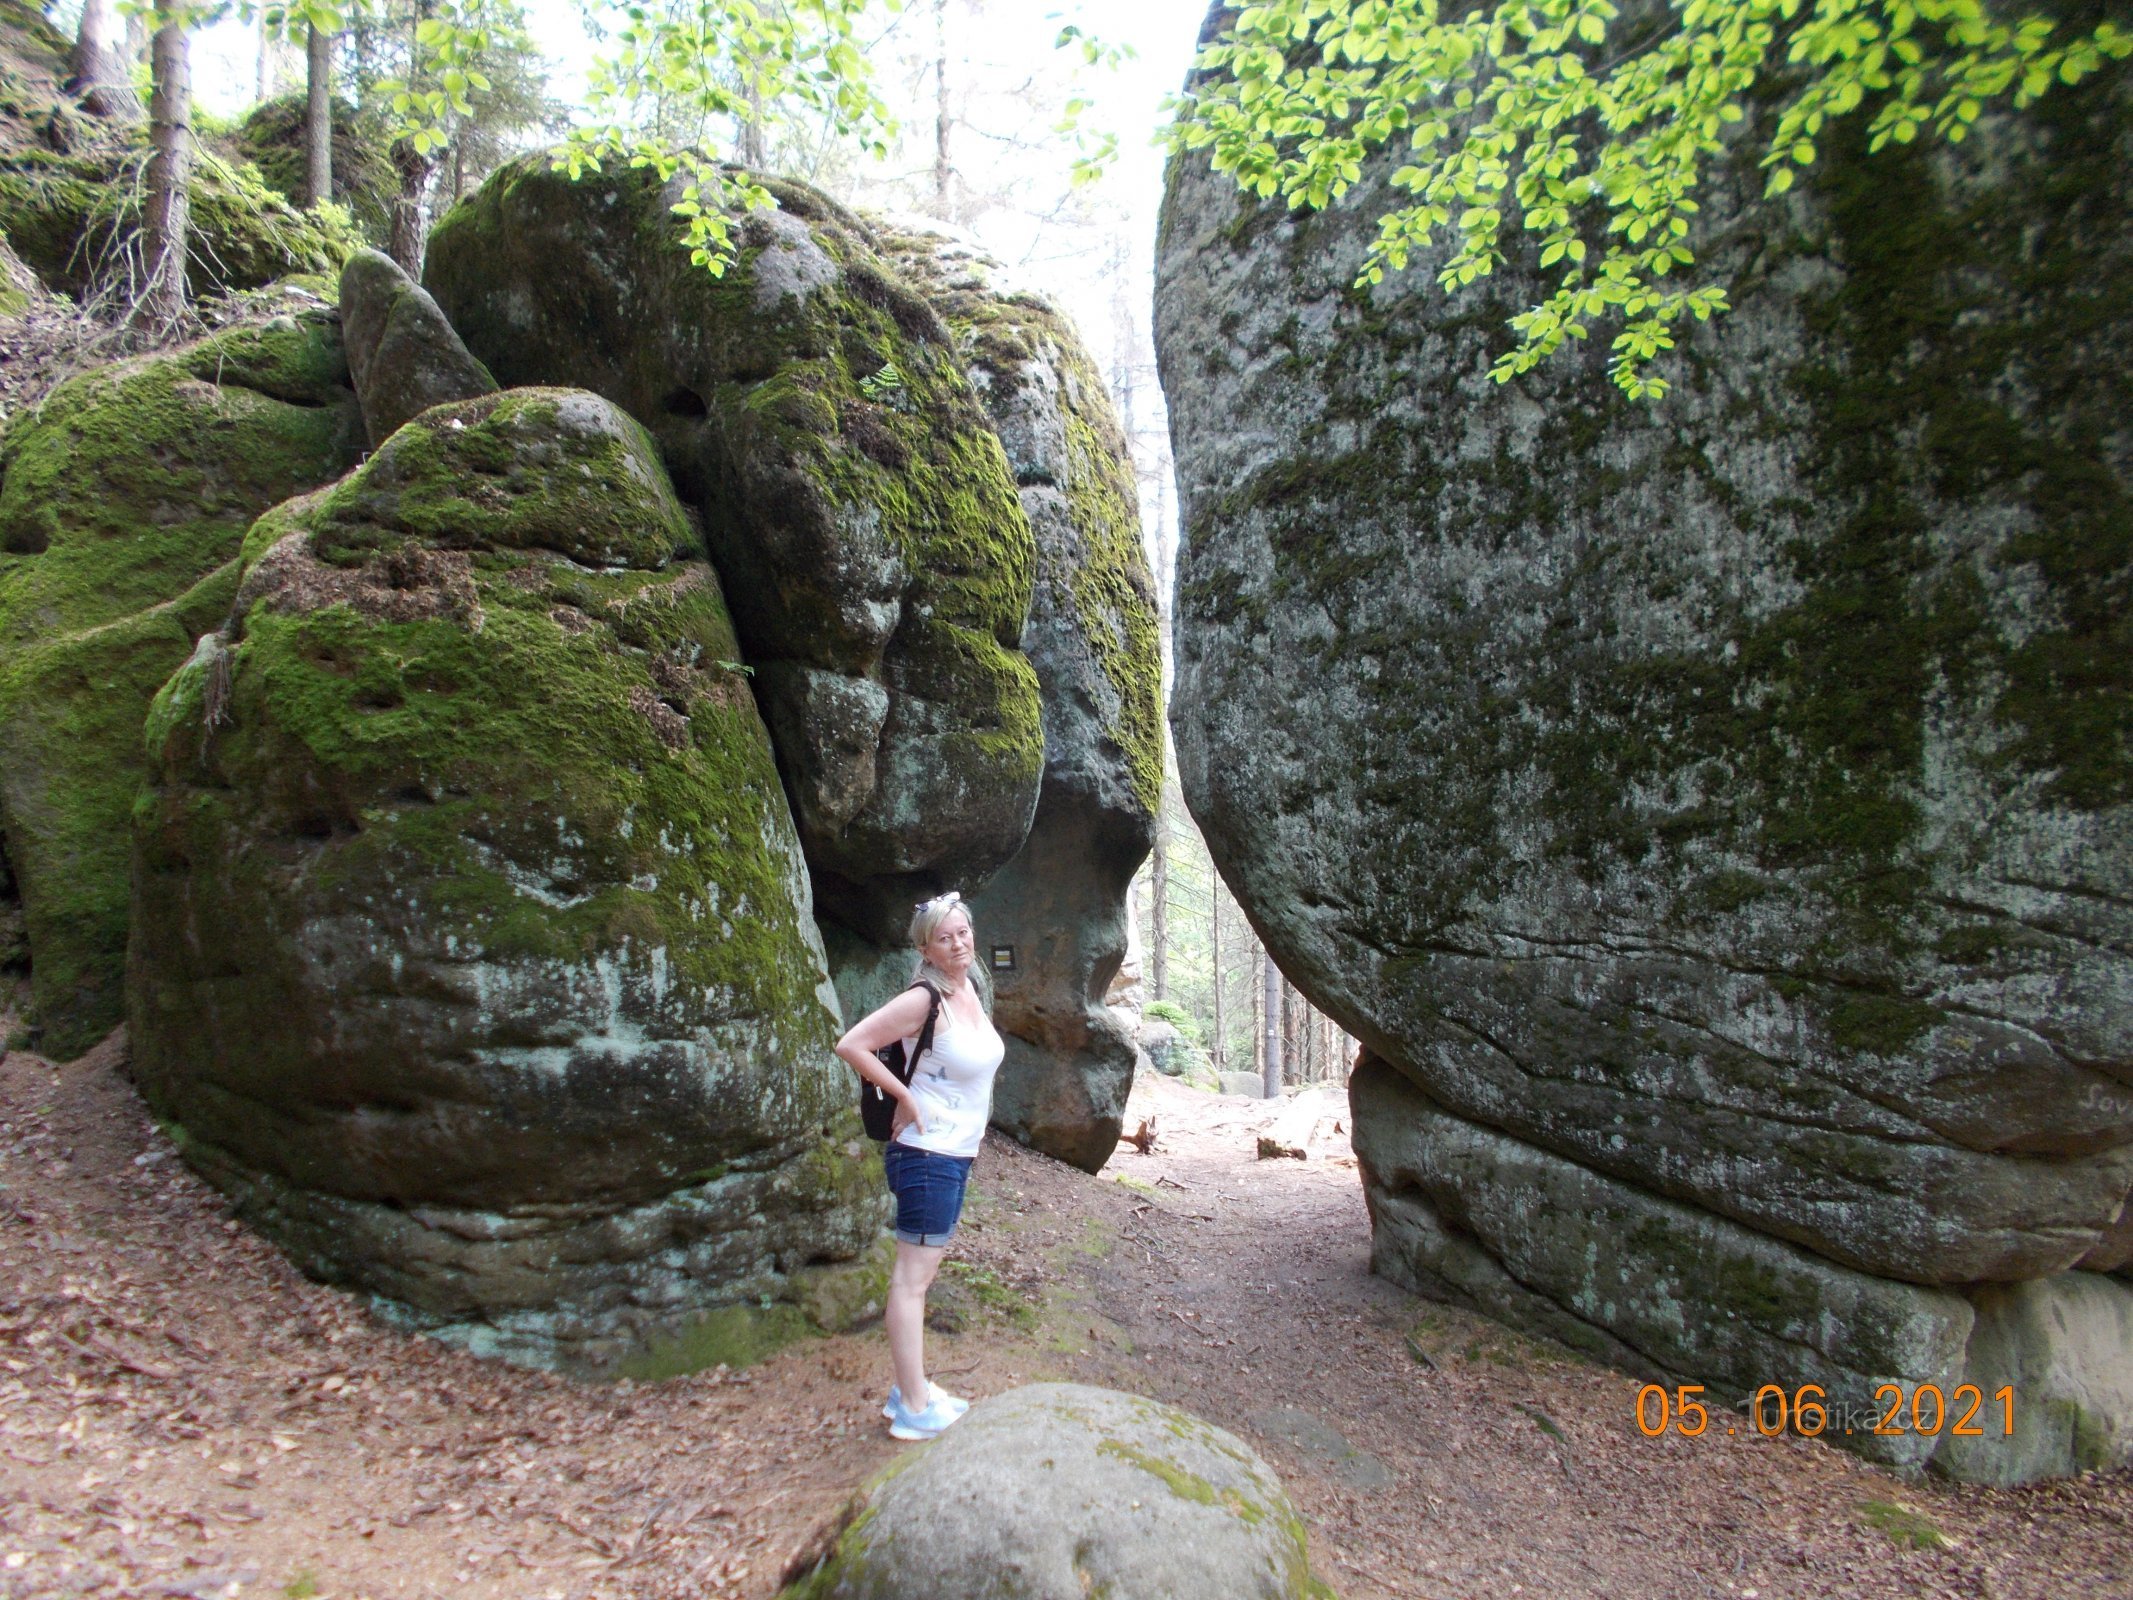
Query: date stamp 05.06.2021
x=1968, y=1412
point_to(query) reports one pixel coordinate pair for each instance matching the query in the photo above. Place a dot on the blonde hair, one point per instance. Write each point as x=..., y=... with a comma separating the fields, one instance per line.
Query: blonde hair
x=925, y=922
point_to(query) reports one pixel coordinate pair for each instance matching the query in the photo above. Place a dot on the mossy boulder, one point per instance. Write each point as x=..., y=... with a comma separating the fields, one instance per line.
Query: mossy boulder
x=1175, y=1055
x=472, y=950
x=1731, y=795
x=124, y=498
x=402, y=353
x=1059, y=1491
x=1093, y=638
x=271, y=137
x=75, y=218
x=855, y=500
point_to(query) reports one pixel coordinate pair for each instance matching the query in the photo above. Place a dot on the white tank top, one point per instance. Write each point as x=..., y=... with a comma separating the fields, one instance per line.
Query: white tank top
x=953, y=1084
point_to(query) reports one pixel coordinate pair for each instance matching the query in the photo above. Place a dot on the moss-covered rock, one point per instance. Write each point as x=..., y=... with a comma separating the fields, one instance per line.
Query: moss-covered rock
x=1733, y=795
x=76, y=219
x=365, y=181
x=472, y=949
x=123, y=501
x=1092, y=637
x=1061, y=1491
x=853, y=496
x=403, y=354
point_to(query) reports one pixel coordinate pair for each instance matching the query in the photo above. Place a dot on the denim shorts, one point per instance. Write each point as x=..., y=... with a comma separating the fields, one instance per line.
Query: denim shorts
x=929, y=1192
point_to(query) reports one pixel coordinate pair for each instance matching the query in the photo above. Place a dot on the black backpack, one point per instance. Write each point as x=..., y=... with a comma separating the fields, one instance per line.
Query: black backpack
x=876, y=1109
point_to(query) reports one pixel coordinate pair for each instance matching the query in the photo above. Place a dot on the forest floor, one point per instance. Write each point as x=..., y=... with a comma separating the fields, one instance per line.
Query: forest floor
x=181, y=1414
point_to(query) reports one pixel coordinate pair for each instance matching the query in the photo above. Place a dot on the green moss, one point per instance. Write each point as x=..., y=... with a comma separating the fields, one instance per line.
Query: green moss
x=985, y=1292
x=532, y=772
x=271, y=137
x=1877, y=1024
x=75, y=219
x=1113, y=595
x=125, y=496
x=1901, y=1525
x=733, y=1336
x=524, y=469
x=1103, y=580
x=1185, y=1485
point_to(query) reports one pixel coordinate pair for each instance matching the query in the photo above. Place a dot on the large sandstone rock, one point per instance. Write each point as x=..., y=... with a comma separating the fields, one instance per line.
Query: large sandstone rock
x=473, y=951
x=402, y=354
x=1728, y=797
x=1662, y=1289
x=854, y=499
x=1060, y=905
x=123, y=499
x=1058, y=1491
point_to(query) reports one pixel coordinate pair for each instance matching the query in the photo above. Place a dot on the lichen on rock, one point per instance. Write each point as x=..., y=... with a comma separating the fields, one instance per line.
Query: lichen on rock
x=474, y=748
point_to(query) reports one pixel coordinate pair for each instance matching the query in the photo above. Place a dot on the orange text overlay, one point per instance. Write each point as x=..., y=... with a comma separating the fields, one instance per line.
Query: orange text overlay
x=1921, y=1408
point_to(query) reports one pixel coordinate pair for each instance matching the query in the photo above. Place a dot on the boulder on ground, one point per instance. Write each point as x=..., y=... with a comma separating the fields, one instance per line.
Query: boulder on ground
x=124, y=497
x=472, y=945
x=1731, y=796
x=2058, y=1352
x=854, y=498
x=1175, y=1056
x=1059, y=1491
x=1248, y=1084
x=1058, y=909
x=403, y=355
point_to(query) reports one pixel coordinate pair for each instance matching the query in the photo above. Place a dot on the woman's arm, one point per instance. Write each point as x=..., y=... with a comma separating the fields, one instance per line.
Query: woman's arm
x=901, y=1018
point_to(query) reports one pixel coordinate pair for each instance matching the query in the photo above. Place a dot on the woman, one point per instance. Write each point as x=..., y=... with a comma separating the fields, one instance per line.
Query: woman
x=939, y=1124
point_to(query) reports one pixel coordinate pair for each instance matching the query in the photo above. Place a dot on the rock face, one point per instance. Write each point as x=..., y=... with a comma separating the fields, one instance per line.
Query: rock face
x=1057, y=1491
x=913, y=482
x=123, y=500
x=403, y=355
x=1059, y=908
x=854, y=499
x=472, y=948
x=1715, y=813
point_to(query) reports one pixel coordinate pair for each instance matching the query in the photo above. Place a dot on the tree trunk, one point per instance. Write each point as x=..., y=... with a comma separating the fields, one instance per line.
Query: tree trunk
x=410, y=220
x=1159, y=911
x=1214, y=940
x=943, y=170
x=101, y=75
x=410, y=210
x=1293, y=1014
x=167, y=215
x=755, y=144
x=318, y=118
x=1270, y=1055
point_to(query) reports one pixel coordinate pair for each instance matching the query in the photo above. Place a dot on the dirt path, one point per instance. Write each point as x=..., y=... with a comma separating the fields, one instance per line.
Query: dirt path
x=182, y=1415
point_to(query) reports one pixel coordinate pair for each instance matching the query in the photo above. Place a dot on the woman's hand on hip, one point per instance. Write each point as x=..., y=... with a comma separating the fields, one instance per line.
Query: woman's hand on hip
x=907, y=1115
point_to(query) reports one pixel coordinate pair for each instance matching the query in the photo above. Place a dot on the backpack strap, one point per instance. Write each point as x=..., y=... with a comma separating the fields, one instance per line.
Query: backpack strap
x=933, y=1015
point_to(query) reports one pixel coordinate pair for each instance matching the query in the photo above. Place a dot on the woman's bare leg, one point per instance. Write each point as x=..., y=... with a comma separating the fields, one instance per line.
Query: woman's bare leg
x=909, y=1280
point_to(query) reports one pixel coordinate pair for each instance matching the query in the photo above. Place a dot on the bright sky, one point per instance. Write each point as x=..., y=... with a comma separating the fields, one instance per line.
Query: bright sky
x=1161, y=33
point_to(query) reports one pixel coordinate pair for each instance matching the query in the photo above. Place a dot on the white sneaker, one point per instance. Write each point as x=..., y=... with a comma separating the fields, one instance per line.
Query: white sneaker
x=941, y=1396
x=927, y=1424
